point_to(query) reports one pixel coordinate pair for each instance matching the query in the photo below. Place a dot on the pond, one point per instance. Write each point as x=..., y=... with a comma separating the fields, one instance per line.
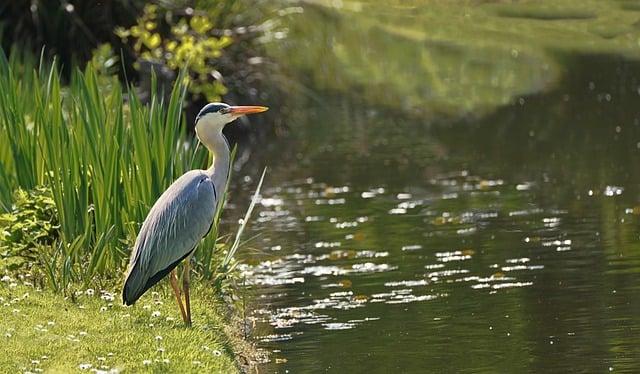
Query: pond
x=505, y=240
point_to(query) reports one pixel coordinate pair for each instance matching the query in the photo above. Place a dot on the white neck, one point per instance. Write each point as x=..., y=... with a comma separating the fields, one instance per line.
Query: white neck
x=216, y=143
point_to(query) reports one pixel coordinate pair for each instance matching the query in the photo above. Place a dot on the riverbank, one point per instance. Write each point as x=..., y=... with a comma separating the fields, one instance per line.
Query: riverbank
x=460, y=59
x=43, y=331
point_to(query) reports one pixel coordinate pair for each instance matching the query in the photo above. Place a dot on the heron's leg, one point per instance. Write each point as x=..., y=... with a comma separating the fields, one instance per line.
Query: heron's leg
x=185, y=287
x=173, y=279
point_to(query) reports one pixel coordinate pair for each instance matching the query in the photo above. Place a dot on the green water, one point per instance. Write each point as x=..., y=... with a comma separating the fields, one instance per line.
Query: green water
x=498, y=235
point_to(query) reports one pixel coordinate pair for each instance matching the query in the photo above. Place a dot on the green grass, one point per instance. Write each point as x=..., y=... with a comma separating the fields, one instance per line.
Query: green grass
x=41, y=330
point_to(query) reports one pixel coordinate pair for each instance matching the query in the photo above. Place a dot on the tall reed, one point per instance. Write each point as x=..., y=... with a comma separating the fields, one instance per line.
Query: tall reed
x=105, y=155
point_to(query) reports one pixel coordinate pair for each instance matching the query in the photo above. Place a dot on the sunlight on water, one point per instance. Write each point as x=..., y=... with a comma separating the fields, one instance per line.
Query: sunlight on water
x=508, y=244
x=469, y=205
x=317, y=285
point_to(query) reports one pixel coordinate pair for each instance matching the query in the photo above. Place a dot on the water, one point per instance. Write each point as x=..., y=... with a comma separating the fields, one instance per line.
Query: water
x=506, y=241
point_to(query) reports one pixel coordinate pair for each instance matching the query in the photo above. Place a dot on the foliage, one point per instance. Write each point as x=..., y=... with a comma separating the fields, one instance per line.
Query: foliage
x=31, y=223
x=105, y=161
x=220, y=44
x=180, y=41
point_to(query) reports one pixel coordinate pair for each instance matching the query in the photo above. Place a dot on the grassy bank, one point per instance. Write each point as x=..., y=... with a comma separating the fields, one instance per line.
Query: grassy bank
x=40, y=330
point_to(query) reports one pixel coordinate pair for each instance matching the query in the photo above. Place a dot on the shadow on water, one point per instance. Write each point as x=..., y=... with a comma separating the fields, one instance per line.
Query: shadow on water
x=507, y=243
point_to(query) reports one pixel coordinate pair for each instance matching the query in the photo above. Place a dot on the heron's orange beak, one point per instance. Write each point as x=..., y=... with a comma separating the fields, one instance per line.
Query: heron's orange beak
x=249, y=109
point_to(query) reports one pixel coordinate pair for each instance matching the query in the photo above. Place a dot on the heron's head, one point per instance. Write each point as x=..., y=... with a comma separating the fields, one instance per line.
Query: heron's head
x=214, y=116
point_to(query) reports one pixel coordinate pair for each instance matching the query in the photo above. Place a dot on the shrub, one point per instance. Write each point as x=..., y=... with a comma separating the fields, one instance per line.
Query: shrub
x=179, y=42
x=32, y=222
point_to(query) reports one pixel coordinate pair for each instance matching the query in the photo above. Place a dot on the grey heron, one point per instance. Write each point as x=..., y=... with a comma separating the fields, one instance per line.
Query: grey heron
x=184, y=213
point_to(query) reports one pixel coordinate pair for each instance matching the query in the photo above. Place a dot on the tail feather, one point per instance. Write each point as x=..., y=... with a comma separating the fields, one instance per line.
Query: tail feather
x=137, y=283
x=133, y=287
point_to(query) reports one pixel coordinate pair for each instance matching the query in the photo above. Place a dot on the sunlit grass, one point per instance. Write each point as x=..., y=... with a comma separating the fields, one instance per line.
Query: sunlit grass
x=92, y=330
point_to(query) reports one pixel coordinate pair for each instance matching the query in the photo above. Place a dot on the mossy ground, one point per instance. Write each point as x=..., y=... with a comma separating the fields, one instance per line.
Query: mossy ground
x=43, y=331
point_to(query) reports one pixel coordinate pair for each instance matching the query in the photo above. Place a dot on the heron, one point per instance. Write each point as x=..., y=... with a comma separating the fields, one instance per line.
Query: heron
x=183, y=214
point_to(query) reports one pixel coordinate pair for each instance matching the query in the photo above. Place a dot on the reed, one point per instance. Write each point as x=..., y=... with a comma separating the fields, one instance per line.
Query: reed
x=104, y=154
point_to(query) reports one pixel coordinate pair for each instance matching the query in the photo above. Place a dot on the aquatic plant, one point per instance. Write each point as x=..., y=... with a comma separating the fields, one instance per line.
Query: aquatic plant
x=104, y=155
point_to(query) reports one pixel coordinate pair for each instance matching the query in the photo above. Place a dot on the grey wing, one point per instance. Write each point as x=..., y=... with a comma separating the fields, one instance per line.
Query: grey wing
x=174, y=226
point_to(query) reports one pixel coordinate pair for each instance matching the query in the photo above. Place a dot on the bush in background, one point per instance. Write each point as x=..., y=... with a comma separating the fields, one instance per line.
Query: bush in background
x=217, y=42
x=179, y=39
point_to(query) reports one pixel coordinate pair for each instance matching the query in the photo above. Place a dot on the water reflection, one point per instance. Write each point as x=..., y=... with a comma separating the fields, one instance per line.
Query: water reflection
x=501, y=243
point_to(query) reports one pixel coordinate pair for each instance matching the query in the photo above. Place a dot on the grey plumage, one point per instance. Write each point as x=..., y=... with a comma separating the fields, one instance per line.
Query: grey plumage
x=183, y=215
x=175, y=225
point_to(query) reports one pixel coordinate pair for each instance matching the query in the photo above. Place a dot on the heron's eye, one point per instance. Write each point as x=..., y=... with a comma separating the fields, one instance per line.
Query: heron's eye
x=224, y=111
